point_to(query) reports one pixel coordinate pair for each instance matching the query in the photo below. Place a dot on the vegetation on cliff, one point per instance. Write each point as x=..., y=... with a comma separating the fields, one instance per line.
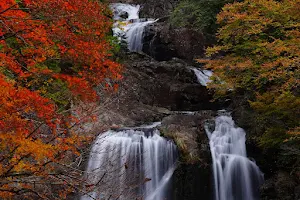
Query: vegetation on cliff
x=198, y=14
x=52, y=54
x=257, y=56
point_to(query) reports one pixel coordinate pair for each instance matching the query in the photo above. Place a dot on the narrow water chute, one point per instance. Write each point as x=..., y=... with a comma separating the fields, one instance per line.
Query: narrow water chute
x=203, y=76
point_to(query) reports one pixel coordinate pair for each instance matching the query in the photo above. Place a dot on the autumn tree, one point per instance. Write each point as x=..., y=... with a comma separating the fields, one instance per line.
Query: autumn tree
x=258, y=56
x=52, y=54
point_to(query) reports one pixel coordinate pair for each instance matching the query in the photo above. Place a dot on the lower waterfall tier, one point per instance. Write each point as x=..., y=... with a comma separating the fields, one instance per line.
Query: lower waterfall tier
x=130, y=164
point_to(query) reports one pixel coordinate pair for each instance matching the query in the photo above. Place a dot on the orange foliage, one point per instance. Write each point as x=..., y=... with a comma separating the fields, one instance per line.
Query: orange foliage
x=261, y=43
x=34, y=137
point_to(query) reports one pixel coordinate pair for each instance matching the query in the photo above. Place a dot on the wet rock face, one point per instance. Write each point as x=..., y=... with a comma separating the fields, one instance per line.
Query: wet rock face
x=189, y=43
x=172, y=85
x=162, y=42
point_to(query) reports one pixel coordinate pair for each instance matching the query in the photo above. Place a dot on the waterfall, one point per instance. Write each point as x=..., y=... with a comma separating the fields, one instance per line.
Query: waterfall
x=129, y=25
x=131, y=164
x=203, y=76
x=134, y=35
x=235, y=176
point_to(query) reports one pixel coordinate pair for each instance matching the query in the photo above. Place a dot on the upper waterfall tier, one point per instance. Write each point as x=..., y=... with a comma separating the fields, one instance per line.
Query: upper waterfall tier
x=128, y=25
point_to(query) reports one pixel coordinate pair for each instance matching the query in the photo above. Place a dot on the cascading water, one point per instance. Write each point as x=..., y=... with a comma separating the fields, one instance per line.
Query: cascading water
x=125, y=11
x=129, y=25
x=135, y=36
x=235, y=176
x=203, y=76
x=131, y=164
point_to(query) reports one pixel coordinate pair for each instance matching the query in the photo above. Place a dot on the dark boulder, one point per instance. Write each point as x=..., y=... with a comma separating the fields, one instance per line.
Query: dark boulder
x=162, y=42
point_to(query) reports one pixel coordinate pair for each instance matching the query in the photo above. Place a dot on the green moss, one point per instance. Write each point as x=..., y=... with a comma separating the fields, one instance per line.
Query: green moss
x=185, y=154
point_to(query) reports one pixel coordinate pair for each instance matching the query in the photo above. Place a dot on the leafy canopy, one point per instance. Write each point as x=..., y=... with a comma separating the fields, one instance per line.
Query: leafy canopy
x=52, y=54
x=258, y=53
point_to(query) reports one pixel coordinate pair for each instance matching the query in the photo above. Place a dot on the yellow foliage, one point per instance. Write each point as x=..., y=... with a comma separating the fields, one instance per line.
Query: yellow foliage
x=259, y=52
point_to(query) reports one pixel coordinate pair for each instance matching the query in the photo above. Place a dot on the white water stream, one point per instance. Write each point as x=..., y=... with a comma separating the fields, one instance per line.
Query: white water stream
x=128, y=25
x=235, y=176
x=203, y=76
x=131, y=164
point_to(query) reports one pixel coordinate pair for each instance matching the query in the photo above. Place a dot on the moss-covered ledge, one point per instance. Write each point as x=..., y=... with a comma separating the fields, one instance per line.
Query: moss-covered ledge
x=193, y=175
x=186, y=130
